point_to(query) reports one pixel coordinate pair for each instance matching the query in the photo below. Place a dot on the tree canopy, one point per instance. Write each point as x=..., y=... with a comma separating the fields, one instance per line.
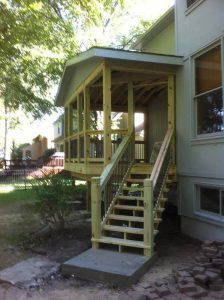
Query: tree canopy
x=36, y=38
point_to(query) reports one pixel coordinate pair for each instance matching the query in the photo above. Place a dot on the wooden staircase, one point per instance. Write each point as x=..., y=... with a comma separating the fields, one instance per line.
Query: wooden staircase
x=123, y=227
x=129, y=199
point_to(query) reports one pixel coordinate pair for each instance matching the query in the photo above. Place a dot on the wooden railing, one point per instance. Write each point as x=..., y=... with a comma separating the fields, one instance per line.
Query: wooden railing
x=140, y=151
x=106, y=188
x=89, y=145
x=152, y=189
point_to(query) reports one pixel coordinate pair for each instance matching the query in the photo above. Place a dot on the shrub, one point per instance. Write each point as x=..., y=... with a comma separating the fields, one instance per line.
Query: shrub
x=53, y=192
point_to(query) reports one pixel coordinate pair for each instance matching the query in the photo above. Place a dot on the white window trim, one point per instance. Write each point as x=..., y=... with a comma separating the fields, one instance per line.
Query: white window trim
x=204, y=213
x=195, y=136
x=192, y=6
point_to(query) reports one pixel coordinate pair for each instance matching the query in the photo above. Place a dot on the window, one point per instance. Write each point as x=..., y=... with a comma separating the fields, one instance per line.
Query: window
x=211, y=200
x=190, y=2
x=28, y=154
x=59, y=129
x=208, y=92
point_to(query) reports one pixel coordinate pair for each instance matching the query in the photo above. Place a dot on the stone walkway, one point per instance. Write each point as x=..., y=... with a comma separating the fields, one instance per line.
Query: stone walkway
x=203, y=279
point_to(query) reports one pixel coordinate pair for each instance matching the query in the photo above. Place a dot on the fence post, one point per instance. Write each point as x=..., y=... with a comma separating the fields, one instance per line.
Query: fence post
x=96, y=210
x=24, y=175
x=148, y=217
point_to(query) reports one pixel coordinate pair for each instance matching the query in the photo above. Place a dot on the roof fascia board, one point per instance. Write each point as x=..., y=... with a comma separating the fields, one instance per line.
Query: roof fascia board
x=125, y=55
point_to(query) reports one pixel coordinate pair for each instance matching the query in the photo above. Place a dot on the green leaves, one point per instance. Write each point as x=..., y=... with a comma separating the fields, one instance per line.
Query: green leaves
x=36, y=39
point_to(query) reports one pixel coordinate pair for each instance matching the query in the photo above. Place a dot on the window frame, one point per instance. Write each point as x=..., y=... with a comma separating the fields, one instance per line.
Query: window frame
x=202, y=212
x=195, y=96
x=190, y=5
x=193, y=6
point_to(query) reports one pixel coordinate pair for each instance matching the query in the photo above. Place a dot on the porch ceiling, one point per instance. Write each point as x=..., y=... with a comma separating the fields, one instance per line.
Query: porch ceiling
x=147, y=71
x=145, y=86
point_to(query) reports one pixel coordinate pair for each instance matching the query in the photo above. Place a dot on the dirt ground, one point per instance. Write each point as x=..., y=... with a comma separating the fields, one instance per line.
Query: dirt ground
x=172, y=248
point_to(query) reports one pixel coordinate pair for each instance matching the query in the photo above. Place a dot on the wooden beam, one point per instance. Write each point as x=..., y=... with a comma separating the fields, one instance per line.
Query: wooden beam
x=88, y=196
x=146, y=135
x=148, y=218
x=107, y=113
x=96, y=210
x=86, y=124
x=131, y=109
x=120, y=108
x=141, y=67
x=139, y=85
x=170, y=101
x=140, y=95
x=68, y=131
x=171, y=113
x=78, y=121
x=125, y=77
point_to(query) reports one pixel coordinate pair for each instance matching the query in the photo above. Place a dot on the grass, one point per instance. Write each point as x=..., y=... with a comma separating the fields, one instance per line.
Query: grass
x=8, y=195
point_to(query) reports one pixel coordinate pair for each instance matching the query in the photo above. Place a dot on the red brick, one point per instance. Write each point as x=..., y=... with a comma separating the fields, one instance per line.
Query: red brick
x=211, y=275
x=163, y=291
x=200, y=292
x=198, y=270
x=201, y=278
x=188, y=287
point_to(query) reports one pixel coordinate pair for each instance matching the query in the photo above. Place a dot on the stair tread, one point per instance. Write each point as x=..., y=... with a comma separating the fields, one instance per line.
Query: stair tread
x=133, y=189
x=127, y=229
x=135, y=180
x=160, y=209
x=126, y=218
x=124, y=229
x=157, y=220
x=163, y=199
x=129, y=207
x=122, y=242
x=130, y=197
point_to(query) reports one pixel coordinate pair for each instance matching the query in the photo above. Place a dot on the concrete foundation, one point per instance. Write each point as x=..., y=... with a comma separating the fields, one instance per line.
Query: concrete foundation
x=108, y=266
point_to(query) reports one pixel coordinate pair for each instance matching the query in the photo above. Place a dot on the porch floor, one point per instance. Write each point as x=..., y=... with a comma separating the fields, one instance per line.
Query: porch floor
x=108, y=266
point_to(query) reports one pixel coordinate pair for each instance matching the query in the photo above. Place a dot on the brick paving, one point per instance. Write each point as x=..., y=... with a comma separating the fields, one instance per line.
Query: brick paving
x=203, y=279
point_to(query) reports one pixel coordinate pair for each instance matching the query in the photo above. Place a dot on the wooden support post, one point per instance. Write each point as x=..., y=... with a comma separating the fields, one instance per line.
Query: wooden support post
x=148, y=217
x=131, y=116
x=78, y=123
x=107, y=113
x=68, y=126
x=88, y=196
x=86, y=124
x=146, y=136
x=171, y=113
x=96, y=210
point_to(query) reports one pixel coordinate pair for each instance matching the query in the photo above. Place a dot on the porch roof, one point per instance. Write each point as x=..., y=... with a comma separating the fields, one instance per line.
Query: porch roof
x=81, y=66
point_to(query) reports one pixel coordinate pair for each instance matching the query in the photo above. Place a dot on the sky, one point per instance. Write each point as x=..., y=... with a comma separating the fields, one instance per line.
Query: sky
x=139, y=9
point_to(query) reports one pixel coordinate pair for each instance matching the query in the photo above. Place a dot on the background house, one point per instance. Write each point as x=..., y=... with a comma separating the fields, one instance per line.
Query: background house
x=36, y=149
x=59, y=134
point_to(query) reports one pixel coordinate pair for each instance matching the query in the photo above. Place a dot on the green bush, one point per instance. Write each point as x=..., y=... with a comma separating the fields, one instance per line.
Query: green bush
x=53, y=193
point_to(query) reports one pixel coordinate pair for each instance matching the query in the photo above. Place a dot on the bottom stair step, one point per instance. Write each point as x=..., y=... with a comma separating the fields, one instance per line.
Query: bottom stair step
x=124, y=229
x=127, y=229
x=108, y=266
x=121, y=242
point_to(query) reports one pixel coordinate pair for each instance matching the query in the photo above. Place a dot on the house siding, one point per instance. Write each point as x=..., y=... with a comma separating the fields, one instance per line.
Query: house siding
x=157, y=119
x=81, y=72
x=199, y=160
x=163, y=43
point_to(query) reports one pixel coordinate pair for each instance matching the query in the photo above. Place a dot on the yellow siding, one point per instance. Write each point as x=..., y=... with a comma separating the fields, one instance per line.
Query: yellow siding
x=163, y=43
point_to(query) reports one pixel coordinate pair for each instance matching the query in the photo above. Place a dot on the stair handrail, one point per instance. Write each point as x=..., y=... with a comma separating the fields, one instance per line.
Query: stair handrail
x=151, y=194
x=105, y=188
x=161, y=156
x=106, y=174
